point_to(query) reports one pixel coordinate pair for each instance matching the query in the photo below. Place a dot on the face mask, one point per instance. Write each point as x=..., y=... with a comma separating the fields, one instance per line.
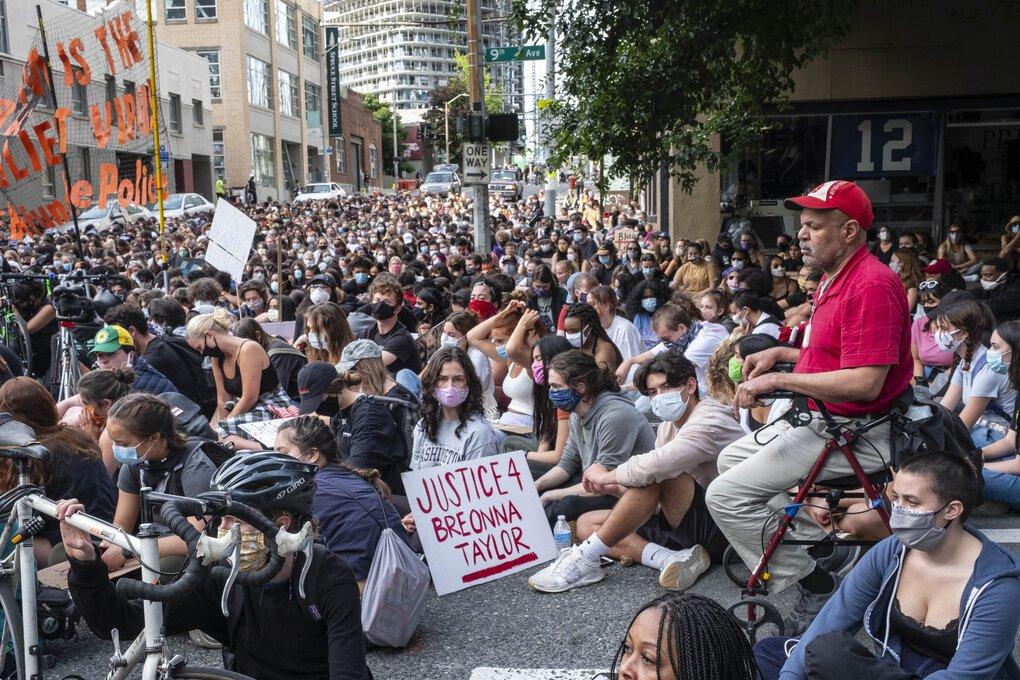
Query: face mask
x=212, y=351
x=538, y=372
x=361, y=278
x=737, y=264
x=778, y=272
x=298, y=274
x=746, y=246
x=253, y=553
x=483, y=308
x=316, y=341
x=946, y=341
x=449, y=341
x=157, y=328
x=732, y=285
x=501, y=353
x=381, y=259
x=565, y=399
x=895, y=266
x=648, y=272
x=736, y=366
x=954, y=236
x=574, y=339
x=996, y=363
x=633, y=254
x=318, y=296
x=605, y=259
x=541, y=292
x=916, y=530
x=992, y=285
x=577, y=237
x=669, y=406
x=1015, y=228
x=509, y=269
x=256, y=306
x=883, y=235
x=451, y=397
x=582, y=297
x=619, y=293
x=649, y=304
x=383, y=311
x=274, y=287
x=126, y=455
x=546, y=247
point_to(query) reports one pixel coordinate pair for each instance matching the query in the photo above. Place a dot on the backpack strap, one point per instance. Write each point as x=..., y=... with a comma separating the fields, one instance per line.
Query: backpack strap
x=284, y=351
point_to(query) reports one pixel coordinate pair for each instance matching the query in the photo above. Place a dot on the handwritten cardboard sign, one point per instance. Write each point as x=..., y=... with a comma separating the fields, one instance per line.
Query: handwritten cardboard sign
x=479, y=520
x=623, y=236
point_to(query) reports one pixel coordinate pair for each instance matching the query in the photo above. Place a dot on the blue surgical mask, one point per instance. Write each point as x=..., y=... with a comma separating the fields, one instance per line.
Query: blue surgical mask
x=649, y=304
x=361, y=278
x=566, y=399
x=316, y=341
x=669, y=406
x=501, y=351
x=125, y=455
x=605, y=259
x=996, y=363
x=577, y=236
x=648, y=272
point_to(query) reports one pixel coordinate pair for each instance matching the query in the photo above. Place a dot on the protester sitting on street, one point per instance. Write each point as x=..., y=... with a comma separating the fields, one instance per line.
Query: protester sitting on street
x=809, y=281
x=605, y=428
x=453, y=427
x=680, y=636
x=583, y=330
x=1000, y=289
x=749, y=243
x=74, y=467
x=326, y=332
x=352, y=505
x=36, y=309
x=492, y=338
x=984, y=395
x=645, y=298
x=253, y=391
x=932, y=364
x=399, y=349
x=112, y=347
x=620, y=330
x=697, y=274
x=167, y=317
x=455, y=330
x=753, y=319
x=957, y=251
x=1010, y=243
x=269, y=631
x=254, y=295
x=857, y=361
x=364, y=357
x=884, y=248
x=580, y=286
x=284, y=358
x=88, y=410
x=906, y=265
x=782, y=285
x=937, y=599
x=661, y=519
x=756, y=416
x=546, y=296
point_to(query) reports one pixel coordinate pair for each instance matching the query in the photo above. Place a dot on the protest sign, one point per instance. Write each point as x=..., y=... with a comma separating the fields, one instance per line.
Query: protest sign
x=265, y=431
x=230, y=239
x=479, y=520
x=624, y=235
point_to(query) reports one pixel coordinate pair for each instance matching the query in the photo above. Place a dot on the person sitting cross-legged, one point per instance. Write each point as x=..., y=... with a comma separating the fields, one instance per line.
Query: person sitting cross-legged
x=661, y=519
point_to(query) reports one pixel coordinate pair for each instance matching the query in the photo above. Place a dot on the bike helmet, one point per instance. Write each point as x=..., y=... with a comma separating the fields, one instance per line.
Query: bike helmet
x=268, y=481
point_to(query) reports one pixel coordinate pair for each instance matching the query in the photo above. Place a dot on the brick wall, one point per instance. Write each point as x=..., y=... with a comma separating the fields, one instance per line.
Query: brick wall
x=357, y=123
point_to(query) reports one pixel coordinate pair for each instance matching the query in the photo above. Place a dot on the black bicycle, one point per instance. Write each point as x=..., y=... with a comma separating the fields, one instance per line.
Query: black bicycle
x=13, y=328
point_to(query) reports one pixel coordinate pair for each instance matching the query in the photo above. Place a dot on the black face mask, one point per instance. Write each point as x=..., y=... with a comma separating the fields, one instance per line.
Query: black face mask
x=212, y=351
x=383, y=311
x=419, y=314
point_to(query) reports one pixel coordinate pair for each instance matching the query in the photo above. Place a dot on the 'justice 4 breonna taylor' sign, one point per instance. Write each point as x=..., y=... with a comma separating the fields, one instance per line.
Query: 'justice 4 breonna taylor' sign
x=479, y=520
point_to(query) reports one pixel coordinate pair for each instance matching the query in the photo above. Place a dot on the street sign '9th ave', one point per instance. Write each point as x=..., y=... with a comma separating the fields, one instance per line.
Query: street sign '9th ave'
x=495, y=55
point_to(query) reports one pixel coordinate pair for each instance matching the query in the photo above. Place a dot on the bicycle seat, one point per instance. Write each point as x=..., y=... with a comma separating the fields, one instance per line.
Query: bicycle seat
x=883, y=476
x=33, y=452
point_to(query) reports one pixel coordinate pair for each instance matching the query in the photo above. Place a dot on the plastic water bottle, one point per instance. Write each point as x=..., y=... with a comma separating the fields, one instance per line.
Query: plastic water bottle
x=561, y=533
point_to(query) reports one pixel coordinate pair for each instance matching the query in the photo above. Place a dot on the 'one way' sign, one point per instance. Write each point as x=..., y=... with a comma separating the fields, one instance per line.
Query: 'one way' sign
x=476, y=164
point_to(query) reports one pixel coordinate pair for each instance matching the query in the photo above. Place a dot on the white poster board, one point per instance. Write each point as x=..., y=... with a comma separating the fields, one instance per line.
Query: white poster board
x=230, y=239
x=264, y=431
x=479, y=520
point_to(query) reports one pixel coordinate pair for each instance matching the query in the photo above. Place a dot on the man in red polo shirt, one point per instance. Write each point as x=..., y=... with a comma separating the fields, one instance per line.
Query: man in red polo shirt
x=855, y=358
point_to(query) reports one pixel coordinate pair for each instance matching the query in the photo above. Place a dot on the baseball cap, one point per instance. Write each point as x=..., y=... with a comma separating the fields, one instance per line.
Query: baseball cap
x=837, y=195
x=938, y=267
x=312, y=381
x=324, y=279
x=355, y=352
x=109, y=339
x=604, y=250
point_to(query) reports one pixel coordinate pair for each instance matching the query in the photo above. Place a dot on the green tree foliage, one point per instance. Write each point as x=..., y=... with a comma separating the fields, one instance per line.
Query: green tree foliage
x=447, y=91
x=384, y=114
x=652, y=82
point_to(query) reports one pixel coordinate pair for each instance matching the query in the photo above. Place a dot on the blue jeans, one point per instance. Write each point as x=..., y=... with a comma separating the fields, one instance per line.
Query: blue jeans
x=1002, y=487
x=983, y=436
x=770, y=653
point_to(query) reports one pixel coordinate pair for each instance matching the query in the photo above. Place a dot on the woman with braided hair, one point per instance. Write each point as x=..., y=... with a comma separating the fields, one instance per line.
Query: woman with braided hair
x=681, y=636
x=584, y=331
x=351, y=505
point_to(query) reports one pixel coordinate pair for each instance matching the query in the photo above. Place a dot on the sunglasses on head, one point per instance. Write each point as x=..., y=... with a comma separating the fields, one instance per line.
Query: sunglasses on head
x=927, y=285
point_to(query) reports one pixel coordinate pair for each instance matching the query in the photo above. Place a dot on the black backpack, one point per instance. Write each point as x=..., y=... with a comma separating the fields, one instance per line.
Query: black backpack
x=191, y=378
x=406, y=414
x=189, y=416
x=217, y=453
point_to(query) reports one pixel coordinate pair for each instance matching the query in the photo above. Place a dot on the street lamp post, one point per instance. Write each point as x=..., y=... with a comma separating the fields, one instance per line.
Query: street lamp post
x=446, y=124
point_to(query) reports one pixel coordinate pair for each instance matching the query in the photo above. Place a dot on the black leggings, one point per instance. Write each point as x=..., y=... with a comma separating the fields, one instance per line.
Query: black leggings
x=572, y=507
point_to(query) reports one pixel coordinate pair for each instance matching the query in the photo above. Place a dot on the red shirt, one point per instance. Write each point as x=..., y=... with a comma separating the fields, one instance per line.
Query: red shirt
x=860, y=319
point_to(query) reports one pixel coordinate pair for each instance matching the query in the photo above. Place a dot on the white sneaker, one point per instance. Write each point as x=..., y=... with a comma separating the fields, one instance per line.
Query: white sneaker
x=570, y=570
x=682, y=571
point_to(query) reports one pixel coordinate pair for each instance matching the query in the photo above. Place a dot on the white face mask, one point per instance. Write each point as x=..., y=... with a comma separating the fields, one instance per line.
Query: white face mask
x=946, y=342
x=318, y=296
x=449, y=341
x=670, y=406
x=992, y=285
x=894, y=266
x=778, y=272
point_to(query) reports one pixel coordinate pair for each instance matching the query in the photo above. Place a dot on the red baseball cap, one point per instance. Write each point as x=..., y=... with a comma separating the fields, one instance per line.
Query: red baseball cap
x=938, y=267
x=837, y=194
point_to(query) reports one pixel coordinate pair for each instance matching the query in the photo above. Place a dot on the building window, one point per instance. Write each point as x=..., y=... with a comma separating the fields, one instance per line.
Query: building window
x=213, y=57
x=49, y=181
x=4, y=46
x=175, y=112
x=309, y=37
x=111, y=94
x=85, y=154
x=219, y=160
x=196, y=112
x=259, y=87
x=341, y=156
x=256, y=15
x=286, y=24
x=289, y=94
x=373, y=161
x=205, y=9
x=129, y=88
x=176, y=10
x=313, y=105
x=79, y=94
x=263, y=160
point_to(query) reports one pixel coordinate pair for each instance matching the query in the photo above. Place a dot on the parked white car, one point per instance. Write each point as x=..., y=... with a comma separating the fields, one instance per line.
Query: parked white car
x=104, y=217
x=320, y=191
x=183, y=205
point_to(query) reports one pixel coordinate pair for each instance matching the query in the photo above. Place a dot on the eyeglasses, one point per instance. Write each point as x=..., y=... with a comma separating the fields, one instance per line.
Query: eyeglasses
x=927, y=285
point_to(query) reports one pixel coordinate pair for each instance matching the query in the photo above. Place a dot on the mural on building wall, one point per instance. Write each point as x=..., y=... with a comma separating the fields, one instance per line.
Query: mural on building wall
x=100, y=124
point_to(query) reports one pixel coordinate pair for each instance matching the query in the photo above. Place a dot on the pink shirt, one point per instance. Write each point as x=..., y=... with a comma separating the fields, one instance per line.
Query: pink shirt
x=923, y=338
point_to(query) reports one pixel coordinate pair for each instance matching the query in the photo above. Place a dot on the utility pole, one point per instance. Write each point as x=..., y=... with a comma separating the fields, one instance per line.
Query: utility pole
x=396, y=150
x=483, y=235
x=550, y=94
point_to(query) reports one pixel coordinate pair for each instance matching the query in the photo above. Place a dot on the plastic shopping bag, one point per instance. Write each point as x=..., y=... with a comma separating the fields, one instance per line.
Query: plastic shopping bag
x=395, y=591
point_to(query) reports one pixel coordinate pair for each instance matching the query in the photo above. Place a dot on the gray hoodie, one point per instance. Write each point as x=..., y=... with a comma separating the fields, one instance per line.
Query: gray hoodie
x=610, y=433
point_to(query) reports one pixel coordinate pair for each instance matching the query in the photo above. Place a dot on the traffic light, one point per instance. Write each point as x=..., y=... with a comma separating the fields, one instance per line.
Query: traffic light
x=425, y=132
x=475, y=127
x=503, y=127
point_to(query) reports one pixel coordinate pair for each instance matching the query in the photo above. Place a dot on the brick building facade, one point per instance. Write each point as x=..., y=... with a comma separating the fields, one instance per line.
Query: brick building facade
x=360, y=147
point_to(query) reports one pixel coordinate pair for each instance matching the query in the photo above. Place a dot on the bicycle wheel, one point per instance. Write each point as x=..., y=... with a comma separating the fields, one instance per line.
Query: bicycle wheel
x=12, y=627
x=201, y=673
x=15, y=336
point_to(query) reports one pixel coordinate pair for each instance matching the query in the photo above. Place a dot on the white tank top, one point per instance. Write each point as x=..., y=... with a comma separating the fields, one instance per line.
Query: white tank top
x=518, y=389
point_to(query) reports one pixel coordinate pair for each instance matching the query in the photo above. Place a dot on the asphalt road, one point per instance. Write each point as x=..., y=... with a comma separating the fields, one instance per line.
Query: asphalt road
x=504, y=625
